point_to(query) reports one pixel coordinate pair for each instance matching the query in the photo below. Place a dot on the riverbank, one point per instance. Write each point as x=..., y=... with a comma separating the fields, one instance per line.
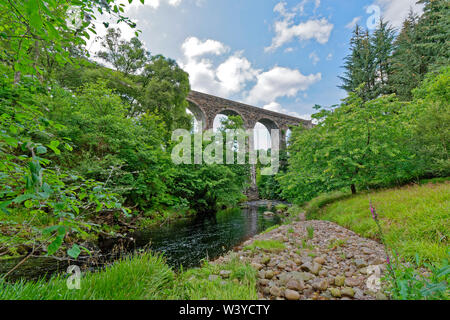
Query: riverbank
x=301, y=259
x=313, y=260
x=415, y=218
x=143, y=277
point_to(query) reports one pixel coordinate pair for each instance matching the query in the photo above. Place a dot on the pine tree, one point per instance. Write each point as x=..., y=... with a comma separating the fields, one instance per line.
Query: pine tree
x=433, y=33
x=382, y=42
x=408, y=67
x=360, y=66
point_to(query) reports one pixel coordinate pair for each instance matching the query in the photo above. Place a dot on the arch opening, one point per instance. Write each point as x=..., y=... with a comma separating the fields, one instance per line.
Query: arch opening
x=262, y=134
x=199, y=118
x=223, y=116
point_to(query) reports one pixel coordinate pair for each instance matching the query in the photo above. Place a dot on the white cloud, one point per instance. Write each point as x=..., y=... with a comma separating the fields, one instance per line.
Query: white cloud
x=329, y=57
x=193, y=47
x=276, y=107
x=280, y=82
x=353, y=23
x=151, y=3
x=229, y=77
x=314, y=57
x=235, y=72
x=395, y=11
x=286, y=30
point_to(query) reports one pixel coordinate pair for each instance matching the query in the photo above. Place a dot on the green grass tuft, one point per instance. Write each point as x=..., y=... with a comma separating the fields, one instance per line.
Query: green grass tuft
x=271, y=245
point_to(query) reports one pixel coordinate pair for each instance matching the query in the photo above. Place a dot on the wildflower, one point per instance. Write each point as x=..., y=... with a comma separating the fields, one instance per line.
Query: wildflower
x=373, y=211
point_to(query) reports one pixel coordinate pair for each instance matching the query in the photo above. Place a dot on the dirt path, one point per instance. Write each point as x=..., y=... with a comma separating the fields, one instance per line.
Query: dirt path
x=321, y=260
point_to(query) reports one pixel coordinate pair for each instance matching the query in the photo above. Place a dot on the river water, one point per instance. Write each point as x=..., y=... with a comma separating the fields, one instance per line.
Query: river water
x=184, y=242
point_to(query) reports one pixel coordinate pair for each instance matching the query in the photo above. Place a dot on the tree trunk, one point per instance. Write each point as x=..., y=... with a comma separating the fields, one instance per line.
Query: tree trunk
x=353, y=187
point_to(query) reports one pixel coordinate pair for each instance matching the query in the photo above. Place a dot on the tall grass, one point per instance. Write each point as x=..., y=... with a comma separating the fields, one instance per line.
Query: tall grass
x=415, y=218
x=142, y=277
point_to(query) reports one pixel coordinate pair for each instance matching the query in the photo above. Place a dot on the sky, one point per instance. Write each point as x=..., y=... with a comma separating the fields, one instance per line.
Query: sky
x=283, y=56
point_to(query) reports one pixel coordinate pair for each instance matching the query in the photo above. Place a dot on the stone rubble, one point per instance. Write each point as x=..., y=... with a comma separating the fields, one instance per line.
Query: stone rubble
x=335, y=264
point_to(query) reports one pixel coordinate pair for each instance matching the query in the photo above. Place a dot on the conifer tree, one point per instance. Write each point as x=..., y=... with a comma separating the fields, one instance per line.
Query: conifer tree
x=434, y=34
x=382, y=42
x=359, y=65
x=407, y=63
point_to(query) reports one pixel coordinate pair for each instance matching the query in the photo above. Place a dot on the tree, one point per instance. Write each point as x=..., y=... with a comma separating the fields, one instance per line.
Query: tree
x=355, y=145
x=407, y=63
x=125, y=56
x=433, y=33
x=360, y=67
x=165, y=87
x=382, y=44
x=31, y=27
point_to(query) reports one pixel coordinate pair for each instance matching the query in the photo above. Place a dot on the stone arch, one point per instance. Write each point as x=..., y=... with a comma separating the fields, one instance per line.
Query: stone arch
x=269, y=123
x=198, y=113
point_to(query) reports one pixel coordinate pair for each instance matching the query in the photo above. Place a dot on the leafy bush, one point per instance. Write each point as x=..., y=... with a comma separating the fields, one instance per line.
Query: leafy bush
x=378, y=143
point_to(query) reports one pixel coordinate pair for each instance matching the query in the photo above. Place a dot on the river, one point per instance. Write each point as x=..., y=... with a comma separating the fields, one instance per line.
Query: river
x=184, y=242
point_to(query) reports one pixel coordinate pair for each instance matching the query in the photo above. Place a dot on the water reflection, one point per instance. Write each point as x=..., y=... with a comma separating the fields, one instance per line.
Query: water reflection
x=184, y=242
x=188, y=242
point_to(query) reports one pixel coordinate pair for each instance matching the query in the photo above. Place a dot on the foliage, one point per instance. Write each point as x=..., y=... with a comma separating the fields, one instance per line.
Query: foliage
x=35, y=29
x=381, y=142
x=352, y=145
x=126, y=57
x=408, y=283
x=369, y=64
x=32, y=181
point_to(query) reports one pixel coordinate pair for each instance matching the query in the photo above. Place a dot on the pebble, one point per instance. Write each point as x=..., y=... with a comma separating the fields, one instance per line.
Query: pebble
x=225, y=273
x=291, y=295
x=316, y=272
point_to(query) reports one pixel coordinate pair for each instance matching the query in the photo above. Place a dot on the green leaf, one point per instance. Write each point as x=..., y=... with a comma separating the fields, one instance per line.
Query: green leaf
x=54, y=146
x=74, y=252
x=55, y=245
x=23, y=197
x=41, y=149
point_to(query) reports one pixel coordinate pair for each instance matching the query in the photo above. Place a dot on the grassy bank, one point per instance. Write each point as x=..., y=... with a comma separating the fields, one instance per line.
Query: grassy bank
x=145, y=276
x=415, y=218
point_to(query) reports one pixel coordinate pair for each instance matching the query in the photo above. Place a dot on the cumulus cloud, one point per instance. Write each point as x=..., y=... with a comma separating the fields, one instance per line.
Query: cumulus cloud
x=193, y=47
x=229, y=77
x=286, y=30
x=395, y=11
x=280, y=82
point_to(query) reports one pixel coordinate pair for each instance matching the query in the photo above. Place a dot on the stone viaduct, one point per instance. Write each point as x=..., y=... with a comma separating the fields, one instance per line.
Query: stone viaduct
x=206, y=107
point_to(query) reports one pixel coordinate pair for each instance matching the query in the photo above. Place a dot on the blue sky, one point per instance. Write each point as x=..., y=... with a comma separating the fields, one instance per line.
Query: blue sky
x=285, y=56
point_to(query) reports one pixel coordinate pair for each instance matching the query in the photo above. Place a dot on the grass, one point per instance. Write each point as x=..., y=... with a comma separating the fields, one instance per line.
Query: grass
x=143, y=277
x=271, y=245
x=271, y=228
x=195, y=284
x=335, y=243
x=415, y=218
x=281, y=207
x=310, y=230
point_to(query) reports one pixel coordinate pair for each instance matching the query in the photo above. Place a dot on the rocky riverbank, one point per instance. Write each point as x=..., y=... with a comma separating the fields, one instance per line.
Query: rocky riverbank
x=316, y=260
